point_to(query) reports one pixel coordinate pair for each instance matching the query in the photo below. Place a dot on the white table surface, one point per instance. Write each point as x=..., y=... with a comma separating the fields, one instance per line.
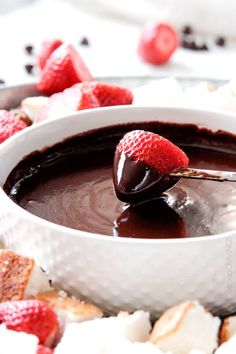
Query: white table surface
x=113, y=45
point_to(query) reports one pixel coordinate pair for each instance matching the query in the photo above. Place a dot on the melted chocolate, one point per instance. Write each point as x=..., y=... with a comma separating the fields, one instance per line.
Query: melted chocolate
x=136, y=182
x=156, y=216
x=71, y=184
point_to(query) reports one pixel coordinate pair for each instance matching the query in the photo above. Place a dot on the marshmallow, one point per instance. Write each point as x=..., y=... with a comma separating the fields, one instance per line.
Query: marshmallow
x=126, y=347
x=12, y=342
x=97, y=335
x=164, y=92
x=33, y=105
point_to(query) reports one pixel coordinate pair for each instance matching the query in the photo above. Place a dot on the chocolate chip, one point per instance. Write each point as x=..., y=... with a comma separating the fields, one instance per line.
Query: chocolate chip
x=220, y=41
x=188, y=44
x=29, y=68
x=193, y=45
x=203, y=47
x=29, y=49
x=84, y=41
x=187, y=30
x=2, y=82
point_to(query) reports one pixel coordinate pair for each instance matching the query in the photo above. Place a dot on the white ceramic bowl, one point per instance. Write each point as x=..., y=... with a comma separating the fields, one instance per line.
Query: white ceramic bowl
x=119, y=273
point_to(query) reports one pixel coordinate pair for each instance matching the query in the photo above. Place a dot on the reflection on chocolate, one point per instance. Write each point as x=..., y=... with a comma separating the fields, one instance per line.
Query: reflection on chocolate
x=136, y=182
x=71, y=184
x=156, y=216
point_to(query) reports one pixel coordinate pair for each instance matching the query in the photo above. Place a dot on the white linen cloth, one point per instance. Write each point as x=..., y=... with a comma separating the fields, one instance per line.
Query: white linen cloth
x=208, y=16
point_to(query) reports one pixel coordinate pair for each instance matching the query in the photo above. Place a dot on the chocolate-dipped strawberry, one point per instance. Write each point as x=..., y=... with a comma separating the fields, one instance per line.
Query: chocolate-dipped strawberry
x=142, y=165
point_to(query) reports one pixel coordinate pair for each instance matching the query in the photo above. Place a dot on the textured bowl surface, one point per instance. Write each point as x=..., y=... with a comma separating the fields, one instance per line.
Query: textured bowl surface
x=120, y=273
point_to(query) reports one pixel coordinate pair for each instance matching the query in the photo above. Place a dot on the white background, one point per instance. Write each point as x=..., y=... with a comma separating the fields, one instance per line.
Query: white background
x=113, y=43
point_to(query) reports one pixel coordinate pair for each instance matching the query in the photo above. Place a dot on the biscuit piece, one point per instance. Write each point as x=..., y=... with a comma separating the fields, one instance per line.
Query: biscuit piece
x=185, y=327
x=228, y=329
x=69, y=309
x=20, y=277
x=33, y=105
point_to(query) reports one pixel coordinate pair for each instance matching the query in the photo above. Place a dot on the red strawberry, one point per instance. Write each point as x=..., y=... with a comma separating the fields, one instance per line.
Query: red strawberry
x=157, y=43
x=110, y=95
x=31, y=316
x=66, y=102
x=142, y=164
x=47, y=48
x=9, y=125
x=44, y=350
x=153, y=150
x=63, y=69
x=87, y=100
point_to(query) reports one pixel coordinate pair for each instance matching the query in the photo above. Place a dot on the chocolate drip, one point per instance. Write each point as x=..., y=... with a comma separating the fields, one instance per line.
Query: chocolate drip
x=136, y=182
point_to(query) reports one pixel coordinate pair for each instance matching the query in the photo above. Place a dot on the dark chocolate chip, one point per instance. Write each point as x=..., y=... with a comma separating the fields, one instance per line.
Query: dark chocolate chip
x=84, y=41
x=187, y=30
x=220, y=41
x=29, y=68
x=193, y=45
x=188, y=44
x=203, y=47
x=2, y=82
x=29, y=49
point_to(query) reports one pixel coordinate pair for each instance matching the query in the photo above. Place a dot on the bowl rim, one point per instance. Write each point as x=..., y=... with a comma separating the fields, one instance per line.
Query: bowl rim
x=101, y=237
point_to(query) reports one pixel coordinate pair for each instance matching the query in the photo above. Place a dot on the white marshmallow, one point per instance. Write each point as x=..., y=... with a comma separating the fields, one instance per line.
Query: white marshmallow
x=33, y=105
x=126, y=347
x=162, y=92
x=12, y=342
x=97, y=335
x=197, y=96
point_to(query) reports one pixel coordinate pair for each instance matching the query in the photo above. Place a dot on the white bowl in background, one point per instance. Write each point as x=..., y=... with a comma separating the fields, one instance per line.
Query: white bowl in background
x=120, y=273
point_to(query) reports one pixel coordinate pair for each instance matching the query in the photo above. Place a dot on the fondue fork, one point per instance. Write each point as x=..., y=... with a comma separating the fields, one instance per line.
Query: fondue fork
x=212, y=175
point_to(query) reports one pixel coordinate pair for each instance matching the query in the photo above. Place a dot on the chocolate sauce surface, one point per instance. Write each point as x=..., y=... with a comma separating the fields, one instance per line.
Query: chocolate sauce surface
x=71, y=184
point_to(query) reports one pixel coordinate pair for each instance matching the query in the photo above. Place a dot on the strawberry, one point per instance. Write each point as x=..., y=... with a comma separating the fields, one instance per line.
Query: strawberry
x=9, y=125
x=153, y=150
x=66, y=102
x=47, y=48
x=31, y=316
x=157, y=43
x=142, y=163
x=110, y=95
x=63, y=69
x=87, y=100
x=44, y=350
